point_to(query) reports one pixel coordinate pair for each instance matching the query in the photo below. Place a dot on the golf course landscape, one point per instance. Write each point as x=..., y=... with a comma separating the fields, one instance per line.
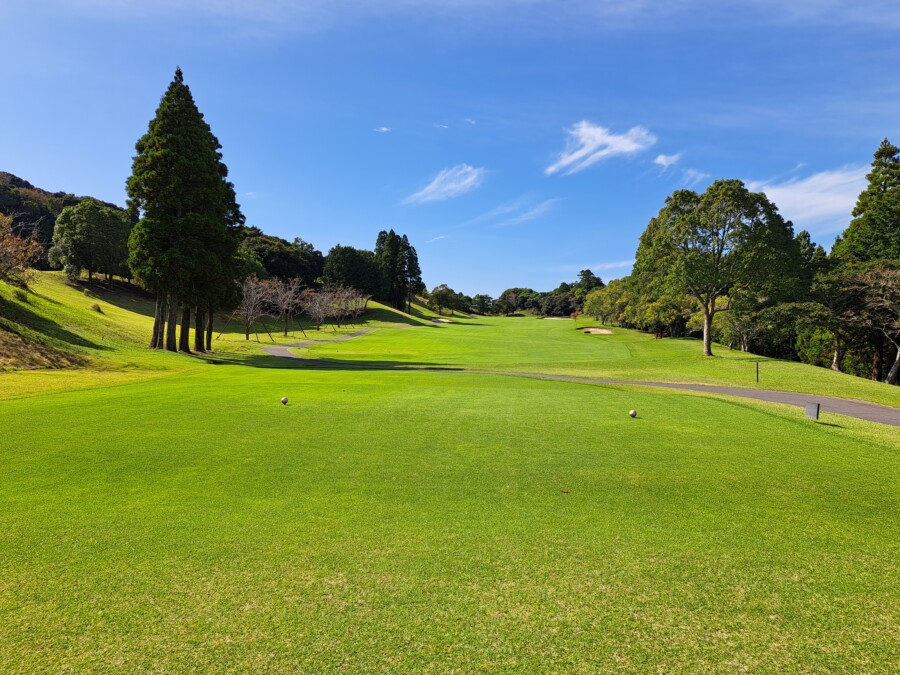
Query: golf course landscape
x=420, y=504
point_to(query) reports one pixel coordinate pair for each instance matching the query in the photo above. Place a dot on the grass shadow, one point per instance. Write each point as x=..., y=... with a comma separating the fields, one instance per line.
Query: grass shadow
x=119, y=294
x=284, y=363
x=12, y=314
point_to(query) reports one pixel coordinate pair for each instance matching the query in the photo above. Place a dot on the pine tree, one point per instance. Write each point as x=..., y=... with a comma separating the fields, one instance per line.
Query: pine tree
x=874, y=232
x=182, y=248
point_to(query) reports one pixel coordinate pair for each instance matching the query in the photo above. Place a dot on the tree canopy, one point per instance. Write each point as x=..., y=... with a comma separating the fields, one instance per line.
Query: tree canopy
x=91, y=237
x=183, y=246
x=724, y=243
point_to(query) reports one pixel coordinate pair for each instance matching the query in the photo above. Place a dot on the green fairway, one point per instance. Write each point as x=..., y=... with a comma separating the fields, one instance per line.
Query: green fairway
x=159, y=512
x=527, y=344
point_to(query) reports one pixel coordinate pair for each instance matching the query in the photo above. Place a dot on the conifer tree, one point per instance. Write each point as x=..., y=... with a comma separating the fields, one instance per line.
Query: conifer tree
x=182, y=248
x=874, y=232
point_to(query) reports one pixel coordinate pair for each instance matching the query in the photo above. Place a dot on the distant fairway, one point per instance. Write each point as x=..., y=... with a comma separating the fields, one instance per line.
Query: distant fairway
x=165, y=513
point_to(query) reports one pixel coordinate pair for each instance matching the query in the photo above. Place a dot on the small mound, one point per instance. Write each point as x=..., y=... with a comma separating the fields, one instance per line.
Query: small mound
x=597, y=331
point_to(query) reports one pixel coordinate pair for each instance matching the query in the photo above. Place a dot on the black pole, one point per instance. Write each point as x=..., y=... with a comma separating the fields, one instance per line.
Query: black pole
x=757, y=372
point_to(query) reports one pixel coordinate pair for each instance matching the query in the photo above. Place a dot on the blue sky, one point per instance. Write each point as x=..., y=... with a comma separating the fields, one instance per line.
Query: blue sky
x=515, y=141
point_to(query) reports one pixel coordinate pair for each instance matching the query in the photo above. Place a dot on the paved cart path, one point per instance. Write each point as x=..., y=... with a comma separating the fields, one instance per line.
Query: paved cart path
x=284, y=353
x=863, y=410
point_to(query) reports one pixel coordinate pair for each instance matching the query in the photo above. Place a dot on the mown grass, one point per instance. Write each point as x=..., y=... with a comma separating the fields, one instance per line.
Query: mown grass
x=393, y=519
x=414, y=521
x=527, y=344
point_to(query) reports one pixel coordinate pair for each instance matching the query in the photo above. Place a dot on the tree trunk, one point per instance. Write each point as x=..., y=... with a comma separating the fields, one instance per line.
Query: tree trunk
x=878, y=357
x=209, y=329
x=184, y=336
x=246, y=331
x=286, y=321
x=745, y=343
x=171, y=342
x=893, y=375
x=839, y=350
x=707, y=331
x=156, y=338
x=199, y=329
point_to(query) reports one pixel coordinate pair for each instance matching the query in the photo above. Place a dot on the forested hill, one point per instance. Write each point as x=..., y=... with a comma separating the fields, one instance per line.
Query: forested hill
x=34, y=208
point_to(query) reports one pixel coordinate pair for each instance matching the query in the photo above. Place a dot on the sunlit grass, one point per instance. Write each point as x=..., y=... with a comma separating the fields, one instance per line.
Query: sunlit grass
x=168, y=513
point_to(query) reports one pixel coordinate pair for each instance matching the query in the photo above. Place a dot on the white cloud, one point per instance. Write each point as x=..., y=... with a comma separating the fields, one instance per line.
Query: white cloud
x=533, y=213
x=691, y=177
x=469, y=120
x=589, y=143
x=437, y=238
x=822, y=202
x=441, y=126
x=449, y=183
x=665, y=161
x=381, y=130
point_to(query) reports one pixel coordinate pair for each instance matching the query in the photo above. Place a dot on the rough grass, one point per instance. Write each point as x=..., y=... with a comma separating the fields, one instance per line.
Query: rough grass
x=391, y=519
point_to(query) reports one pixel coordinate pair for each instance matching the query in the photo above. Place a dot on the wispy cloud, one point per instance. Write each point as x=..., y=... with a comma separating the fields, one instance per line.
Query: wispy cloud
x=597, y=267
x=441, y=126
x=533, y=213
x=589, y=143
x=691, y=177
x=665, y=161
x=822, y=202
x=381, y=130
x=469, y=120
x=250, y=195
x=304, y=15
x=449, y=183
x=437, y=238
x=502, y=210
x=514, y=212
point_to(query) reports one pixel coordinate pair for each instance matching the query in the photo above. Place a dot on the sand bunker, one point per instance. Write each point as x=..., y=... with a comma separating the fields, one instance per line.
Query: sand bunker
x=558, y=318
x=597, y=331
x=441, y=320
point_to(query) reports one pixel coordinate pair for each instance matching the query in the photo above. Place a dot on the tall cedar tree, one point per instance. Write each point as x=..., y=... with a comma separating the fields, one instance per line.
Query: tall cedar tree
x=412, y=273
x=874, y=233
x=183, y=247
x=400, y=265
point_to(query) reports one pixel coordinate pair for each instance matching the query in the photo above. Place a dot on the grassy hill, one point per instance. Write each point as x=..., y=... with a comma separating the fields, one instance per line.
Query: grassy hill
x=163, y=512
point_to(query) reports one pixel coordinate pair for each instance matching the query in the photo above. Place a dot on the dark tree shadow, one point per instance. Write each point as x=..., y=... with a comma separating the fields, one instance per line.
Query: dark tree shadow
x=284, y=363
x=11, y=314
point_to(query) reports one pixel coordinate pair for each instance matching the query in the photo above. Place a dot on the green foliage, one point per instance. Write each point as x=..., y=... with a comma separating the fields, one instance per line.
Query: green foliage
x=400, y=266
x=91, y=237
x=725, y=242
x=356, y=268
x=587, y=282
x=183, y=244
x=282, y=259
x=482, y=304
x=874, y=232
